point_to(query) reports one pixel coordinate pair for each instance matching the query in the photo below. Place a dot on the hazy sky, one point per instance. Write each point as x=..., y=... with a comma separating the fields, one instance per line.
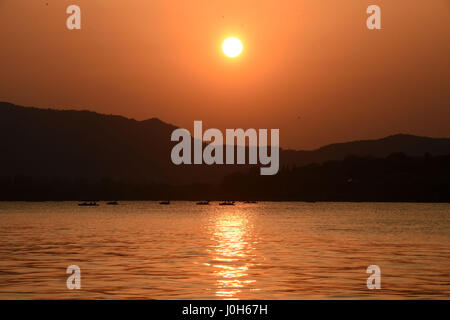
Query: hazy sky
x=309, y=67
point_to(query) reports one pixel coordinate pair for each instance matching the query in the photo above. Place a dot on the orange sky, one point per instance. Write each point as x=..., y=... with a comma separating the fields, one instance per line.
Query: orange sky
x=309, y=67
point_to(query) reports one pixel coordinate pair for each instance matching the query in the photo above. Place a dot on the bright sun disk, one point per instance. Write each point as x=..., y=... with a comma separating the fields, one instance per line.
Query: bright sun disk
x=232, y=47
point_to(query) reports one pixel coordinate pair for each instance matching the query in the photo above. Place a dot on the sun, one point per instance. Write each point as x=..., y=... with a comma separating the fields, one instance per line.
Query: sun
x=232, y=47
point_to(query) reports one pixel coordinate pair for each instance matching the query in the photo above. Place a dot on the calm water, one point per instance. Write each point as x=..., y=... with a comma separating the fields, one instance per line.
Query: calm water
x=143, y=250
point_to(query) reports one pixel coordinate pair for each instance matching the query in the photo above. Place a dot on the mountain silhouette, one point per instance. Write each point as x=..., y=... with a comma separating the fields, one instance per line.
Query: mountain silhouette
x=68, y=144
x=400, y=143
x=87, y=145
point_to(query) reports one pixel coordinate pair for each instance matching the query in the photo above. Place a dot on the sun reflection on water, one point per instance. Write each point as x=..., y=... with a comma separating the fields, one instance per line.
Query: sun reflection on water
x=232, y=253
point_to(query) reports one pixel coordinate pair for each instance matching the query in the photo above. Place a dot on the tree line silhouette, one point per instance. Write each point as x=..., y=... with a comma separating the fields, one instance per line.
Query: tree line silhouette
x=397, y=177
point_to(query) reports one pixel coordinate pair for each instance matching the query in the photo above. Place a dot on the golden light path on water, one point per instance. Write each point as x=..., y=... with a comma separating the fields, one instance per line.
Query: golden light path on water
x=231, y=253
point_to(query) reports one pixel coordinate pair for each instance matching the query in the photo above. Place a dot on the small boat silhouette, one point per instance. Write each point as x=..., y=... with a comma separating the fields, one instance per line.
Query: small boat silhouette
x=227, y=203
x=88, y=204
x=250, y=201
x=112, y=203
x=164, y=202
x=203, y=203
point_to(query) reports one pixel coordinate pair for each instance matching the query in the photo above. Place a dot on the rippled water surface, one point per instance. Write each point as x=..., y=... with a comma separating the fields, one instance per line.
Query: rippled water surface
x=143, y=250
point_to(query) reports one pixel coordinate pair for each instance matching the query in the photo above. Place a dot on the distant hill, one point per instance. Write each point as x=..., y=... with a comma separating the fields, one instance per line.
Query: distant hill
x=400, y=143
x=46, y=143
x=38, y=142
x=87, y=145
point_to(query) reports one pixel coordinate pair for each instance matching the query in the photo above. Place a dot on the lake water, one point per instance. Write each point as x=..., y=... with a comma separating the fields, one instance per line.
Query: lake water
x=143, y=250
